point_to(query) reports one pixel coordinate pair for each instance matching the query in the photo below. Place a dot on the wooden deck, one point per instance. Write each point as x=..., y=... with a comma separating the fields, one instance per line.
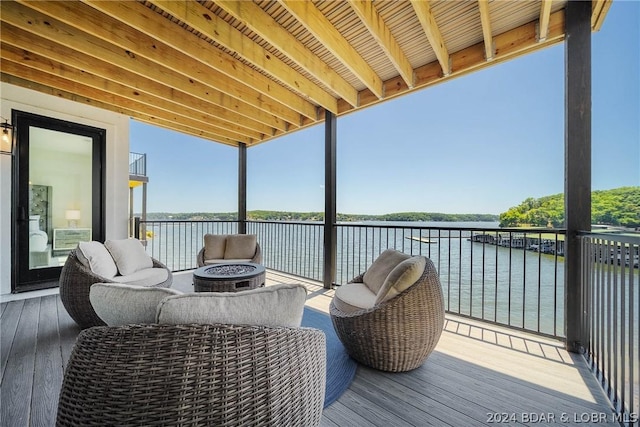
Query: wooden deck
x=478, y=375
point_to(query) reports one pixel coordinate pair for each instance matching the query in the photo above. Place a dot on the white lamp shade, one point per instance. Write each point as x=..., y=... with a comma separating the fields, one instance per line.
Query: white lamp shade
x=72, y=215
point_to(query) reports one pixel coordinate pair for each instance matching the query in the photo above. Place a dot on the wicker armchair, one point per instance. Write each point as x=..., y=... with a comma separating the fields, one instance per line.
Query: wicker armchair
x=196, y=375
x=396, y=335
x=257, y=258
x=75, y=283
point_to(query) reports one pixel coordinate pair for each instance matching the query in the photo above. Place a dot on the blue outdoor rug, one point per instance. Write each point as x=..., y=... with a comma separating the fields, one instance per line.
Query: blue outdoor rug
x=340, y=367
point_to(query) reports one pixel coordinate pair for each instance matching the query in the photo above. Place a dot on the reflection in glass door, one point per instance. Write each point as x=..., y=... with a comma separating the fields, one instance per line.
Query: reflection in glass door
x=59, y=196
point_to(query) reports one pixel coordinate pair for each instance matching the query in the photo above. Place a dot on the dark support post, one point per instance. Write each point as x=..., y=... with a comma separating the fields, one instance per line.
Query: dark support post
x=329, y=268
x=242, y=188
x=136, y=227
x=144, y=213
x=577, y=187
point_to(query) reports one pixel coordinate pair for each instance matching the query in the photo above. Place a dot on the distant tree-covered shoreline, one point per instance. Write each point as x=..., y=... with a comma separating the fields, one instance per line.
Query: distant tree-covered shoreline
x=617, y=207
x=262, y=215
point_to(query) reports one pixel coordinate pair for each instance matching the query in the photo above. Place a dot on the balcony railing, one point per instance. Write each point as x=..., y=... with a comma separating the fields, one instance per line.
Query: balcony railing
x=610, y=275
x=508, y=277
x=176, y=243
x=137, y=164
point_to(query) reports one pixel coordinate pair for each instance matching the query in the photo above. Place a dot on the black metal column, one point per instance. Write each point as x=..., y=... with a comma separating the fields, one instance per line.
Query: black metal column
x=577, y=187
x=242, y=188
x=329, y=267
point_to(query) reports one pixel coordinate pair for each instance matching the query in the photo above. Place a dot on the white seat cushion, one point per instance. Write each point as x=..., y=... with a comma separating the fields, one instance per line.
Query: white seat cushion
x=214, y=246
x=354, y=297
x=95, y=256
x=377, y=273
x=146, y=277
x=278, y=305
x=120, y=304
x=129, y=255
x=240, y=246
x=401, y=278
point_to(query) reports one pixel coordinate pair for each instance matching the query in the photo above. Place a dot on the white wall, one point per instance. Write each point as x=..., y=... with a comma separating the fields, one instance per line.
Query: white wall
x=117, y=162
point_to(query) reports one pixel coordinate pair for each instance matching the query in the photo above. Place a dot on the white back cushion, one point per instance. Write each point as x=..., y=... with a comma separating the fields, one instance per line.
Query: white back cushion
x=97, y=258
x=377, y=273
x=240, y=246
x=278, y=305
x=129, y=255
x=214, y=245
x=123, y=304
x=401, y=277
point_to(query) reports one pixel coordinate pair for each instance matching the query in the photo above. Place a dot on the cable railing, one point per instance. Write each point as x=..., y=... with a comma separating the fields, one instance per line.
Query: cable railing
x=610, y=275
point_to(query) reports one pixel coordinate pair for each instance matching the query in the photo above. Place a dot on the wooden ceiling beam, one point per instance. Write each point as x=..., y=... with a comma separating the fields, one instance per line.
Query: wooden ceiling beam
x=545, y=13
x=90, y=31
x=17, y=81
x=599, y=10
x=370, y=17
x=487, y=34
x=432, y=31
x=177, y=112
x=317, y=24
x=105, y=98
x=261, y=23
x=203, y=20
x=159, y=39
x=508, y=45
x=199, y=98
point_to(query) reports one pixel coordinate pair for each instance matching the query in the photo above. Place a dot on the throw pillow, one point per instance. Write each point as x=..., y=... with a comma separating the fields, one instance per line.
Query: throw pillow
x=278, y=305
x=214, y=245
x=241, y=246
x=95, y=256
x=129, y=255
x=376, y=274
x=401, y=278
x=123, y=304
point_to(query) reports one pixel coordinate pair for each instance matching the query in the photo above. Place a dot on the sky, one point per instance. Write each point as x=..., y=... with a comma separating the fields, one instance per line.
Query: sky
x=480, y=143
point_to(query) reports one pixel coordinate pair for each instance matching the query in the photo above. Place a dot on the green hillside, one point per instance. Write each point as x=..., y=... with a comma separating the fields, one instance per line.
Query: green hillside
x=618, y=207
x=261, y=215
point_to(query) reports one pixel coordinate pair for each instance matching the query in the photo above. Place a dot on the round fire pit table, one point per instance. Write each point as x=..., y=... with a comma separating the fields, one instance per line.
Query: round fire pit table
x=229, y=277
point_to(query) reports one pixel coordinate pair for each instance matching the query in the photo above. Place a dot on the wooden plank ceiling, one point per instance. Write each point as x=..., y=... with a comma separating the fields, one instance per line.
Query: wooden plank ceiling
x=249, y=71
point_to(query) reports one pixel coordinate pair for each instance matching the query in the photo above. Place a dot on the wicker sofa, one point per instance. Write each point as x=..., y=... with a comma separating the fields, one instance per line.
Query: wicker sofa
x=76, y=279
x=196, y=375
x=221, y=248
x=396, y=332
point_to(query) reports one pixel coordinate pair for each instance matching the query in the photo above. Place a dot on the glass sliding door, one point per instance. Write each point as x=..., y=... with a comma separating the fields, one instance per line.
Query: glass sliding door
x=58, y=193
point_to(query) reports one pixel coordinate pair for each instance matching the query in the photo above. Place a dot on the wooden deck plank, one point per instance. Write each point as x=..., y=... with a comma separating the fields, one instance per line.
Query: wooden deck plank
x=8, y=327
x=342, y=415
x=551, y=390
x=17, y=384
x=375, y=414
x=48, y=365
x=68, y=330
x=421, y=394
